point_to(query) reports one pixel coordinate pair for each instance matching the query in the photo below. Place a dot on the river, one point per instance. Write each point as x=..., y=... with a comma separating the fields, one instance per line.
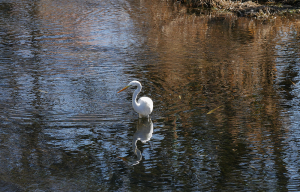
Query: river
x=225, y=90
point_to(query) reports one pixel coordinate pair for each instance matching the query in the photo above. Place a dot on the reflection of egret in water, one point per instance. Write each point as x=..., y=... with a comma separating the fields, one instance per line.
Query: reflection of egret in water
x=143, y=133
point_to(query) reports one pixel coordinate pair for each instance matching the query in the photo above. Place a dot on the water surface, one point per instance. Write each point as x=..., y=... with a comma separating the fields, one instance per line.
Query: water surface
x=225, y=91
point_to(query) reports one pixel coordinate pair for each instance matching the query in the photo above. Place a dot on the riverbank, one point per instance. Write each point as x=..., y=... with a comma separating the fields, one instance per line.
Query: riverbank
x=248, y=8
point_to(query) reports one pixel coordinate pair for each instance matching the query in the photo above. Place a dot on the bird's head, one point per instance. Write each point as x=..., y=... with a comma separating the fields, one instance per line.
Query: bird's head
x=131, y=84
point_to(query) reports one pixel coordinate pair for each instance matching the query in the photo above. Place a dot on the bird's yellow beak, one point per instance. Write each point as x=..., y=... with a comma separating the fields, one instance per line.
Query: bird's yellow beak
x=123, y=88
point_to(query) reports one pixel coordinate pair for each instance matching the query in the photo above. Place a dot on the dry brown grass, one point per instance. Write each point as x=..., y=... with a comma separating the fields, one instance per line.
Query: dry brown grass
x=221, y=4
x=248, y=8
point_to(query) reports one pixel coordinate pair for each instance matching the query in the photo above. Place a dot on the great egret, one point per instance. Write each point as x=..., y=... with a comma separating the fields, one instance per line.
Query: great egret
x=144, y=106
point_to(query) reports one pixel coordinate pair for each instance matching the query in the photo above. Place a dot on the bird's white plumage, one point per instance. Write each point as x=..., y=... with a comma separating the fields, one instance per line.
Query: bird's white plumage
x=144, y=105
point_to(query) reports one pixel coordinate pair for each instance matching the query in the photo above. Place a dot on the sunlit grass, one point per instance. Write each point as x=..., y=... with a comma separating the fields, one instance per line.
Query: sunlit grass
x=246, y=9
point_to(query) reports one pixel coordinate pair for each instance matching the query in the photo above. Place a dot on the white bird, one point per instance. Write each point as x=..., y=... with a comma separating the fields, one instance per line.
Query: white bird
x=144, y=105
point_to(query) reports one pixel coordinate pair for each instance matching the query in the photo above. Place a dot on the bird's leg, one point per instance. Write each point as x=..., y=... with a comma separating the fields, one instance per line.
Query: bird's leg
x=142, y=117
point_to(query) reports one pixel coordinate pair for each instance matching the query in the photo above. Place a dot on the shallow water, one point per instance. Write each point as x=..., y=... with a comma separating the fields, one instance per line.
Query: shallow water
x=225, y=91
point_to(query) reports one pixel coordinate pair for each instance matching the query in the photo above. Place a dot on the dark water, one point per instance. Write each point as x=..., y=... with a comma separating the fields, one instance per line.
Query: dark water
x=225, y=90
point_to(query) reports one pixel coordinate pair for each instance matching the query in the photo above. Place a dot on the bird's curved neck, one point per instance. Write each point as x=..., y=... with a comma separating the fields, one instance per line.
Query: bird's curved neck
x=135, y=94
